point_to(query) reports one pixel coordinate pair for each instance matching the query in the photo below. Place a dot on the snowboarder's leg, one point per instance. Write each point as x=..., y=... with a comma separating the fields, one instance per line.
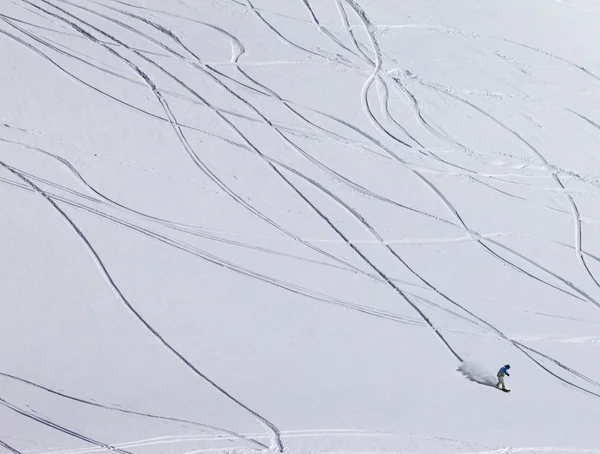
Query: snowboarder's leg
x=501, y=381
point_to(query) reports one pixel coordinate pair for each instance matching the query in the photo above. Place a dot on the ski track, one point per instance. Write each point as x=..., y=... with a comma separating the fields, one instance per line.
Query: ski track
x=201, y=165
x=276, y=441
x=186, y=228
x=555, y=177
x=9, y=447
x=197, y=252
x=59, y=428
x=226, y=433
x=358, y=252
x=287, y=434
x=369, y=60
x=366, y=87
x=377, y=67
x=368, y=83
x=428, y=127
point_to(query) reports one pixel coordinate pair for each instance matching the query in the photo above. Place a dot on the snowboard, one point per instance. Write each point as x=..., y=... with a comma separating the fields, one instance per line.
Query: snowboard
x=505, y=390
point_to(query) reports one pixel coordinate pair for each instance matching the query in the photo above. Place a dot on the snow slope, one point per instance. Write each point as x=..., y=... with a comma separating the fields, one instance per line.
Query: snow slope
x=299, y=225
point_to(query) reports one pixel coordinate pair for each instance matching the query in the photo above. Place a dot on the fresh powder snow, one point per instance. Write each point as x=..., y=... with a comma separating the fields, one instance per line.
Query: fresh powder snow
x=300, y=226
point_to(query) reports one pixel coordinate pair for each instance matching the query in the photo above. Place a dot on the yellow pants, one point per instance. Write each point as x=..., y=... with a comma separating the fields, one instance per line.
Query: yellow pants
x=500, y=381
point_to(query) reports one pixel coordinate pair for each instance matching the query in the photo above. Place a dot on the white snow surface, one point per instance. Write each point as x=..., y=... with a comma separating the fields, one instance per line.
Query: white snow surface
x=301, y=226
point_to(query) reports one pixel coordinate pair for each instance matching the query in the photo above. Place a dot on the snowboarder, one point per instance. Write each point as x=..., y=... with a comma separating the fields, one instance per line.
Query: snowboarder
x=501, y=373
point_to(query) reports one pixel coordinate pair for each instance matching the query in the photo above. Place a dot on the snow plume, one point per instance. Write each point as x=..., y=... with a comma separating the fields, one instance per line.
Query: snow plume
x=477, y=373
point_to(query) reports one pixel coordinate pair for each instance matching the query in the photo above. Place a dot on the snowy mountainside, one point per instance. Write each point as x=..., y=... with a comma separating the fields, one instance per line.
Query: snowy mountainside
x=299, y=226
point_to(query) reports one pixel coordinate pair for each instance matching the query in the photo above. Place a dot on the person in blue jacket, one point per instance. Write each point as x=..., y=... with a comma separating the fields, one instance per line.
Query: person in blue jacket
x=501, y=373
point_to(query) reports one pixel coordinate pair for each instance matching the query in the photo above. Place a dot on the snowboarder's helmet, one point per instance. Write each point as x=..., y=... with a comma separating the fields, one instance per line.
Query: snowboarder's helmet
x=507, y=366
